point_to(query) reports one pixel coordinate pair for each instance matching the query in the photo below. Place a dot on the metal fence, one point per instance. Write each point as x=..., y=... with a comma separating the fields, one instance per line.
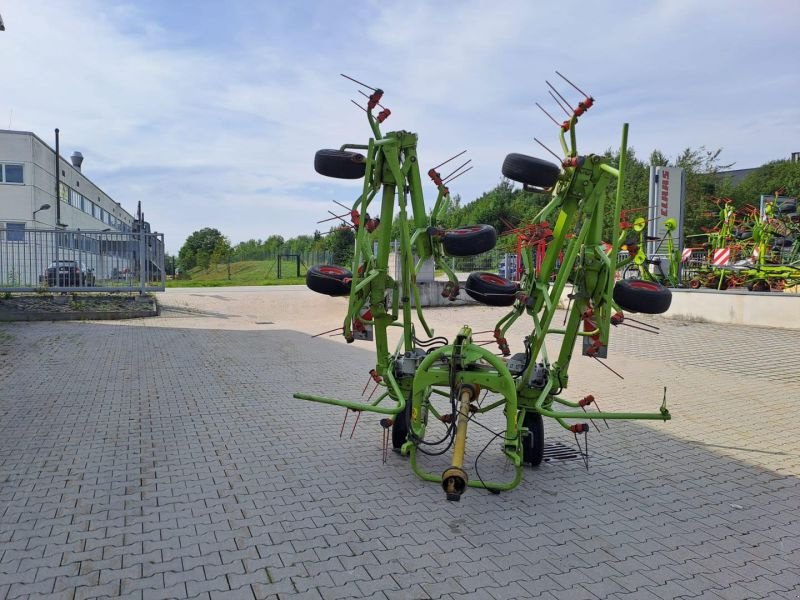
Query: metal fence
x=82, y=261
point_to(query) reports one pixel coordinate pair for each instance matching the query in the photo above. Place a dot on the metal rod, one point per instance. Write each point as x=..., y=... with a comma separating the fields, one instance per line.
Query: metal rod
x=573, y=85
x=641, y=323
x=458, y=169
x=449, y=159
x=454, y=177
x=566, y=111
x=548, y=114
x=548, y=149
x=58, y=182
x=640, y=328
x=357, y=81
x=324, y=332
x=358, y=105
x=607, y=367
x=358, y=416
x=559, y=95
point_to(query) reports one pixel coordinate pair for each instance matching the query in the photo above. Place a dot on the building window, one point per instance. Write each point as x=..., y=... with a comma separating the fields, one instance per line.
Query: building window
x=10, y=173
x=15, y=232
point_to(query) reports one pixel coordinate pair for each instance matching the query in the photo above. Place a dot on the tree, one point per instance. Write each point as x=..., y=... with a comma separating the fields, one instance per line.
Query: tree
x=222, y=251
x=779, y=176
x=340, y=242
x=198, y=248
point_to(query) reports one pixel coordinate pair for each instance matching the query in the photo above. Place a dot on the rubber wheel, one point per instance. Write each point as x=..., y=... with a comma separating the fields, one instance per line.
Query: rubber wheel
x=491, y=289
x=640, y=296
x=695, y=284
x=759, y=286
x=533, y=442
x=531, y=171
x=340, y=164
x=469, y=241
x=329, y=279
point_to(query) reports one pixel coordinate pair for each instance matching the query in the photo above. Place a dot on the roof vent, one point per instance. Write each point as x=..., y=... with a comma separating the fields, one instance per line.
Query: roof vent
x=77, y=160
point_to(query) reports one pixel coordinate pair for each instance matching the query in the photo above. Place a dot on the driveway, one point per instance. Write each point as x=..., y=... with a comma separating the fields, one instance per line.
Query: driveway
x=166, y=458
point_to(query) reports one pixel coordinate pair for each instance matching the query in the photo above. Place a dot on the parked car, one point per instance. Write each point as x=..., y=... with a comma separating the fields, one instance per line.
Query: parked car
x=69, y=273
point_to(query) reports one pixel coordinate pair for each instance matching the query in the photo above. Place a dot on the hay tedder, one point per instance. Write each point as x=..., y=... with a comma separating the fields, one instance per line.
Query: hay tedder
x=426, y=376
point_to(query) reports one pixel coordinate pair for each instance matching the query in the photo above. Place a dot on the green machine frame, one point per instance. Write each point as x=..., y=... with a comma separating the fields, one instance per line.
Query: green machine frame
x=413, y=374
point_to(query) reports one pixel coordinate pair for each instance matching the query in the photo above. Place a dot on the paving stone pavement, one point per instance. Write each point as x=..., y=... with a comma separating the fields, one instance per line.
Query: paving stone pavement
x=166, y=458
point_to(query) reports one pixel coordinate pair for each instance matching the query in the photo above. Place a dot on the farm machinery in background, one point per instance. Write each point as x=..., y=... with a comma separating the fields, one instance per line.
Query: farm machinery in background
x=428, y=378
x=748, y=249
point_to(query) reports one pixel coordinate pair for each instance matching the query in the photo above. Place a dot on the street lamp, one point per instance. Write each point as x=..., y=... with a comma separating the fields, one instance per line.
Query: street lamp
x=43, y=206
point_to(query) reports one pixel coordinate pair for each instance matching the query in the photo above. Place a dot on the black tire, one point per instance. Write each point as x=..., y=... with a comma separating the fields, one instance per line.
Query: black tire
x=491, y=289
x=469, y=241
x=531, y=171
x=533, y=441
x=340, y=164
x=760, y=285
x=640, y=296
x=329, y=279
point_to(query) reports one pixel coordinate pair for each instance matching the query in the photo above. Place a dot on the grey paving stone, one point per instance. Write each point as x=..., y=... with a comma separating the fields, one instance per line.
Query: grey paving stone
x=215, y=476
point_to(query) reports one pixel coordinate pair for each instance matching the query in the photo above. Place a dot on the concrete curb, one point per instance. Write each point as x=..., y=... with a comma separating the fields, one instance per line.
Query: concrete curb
x=88, y=315
x=83, y=315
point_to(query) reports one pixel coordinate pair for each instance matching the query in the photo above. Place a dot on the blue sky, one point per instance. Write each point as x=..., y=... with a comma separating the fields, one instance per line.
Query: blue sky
x=210, y=112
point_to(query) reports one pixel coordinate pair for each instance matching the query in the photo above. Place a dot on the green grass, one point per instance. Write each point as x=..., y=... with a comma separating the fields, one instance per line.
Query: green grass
x=249, y=272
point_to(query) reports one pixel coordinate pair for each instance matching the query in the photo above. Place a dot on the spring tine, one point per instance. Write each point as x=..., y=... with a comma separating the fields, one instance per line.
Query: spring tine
x=344, y=206
x=458, y=169
x=591, y=419
x=373, y=392
x=449, y=159
x=456, y=173
x=548, y=149
x=598, y=410
x=346, y=412
x=607, y=367
x=331, y=218
x=641, y=323
x=357, y=81
x=573, y=85
x=324, y=332
x=558, y=94
x=358, y=416
x=454, y=177
x=359, y=106
x=548, y=114
x=639, y=328
x=340, y=218
x=569, y=114
x=364, y=391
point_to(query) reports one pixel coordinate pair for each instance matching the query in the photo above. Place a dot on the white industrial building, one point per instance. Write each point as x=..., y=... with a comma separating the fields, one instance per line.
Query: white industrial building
x=28, y=182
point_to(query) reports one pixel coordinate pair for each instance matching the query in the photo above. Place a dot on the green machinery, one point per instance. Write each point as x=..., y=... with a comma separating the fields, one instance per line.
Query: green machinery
x=432, y=377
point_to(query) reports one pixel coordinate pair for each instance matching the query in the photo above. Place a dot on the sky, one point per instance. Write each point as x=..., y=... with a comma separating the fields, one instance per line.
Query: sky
x=210, y=112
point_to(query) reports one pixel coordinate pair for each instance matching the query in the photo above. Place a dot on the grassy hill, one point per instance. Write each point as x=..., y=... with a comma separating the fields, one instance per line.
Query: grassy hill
x=249, y=272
